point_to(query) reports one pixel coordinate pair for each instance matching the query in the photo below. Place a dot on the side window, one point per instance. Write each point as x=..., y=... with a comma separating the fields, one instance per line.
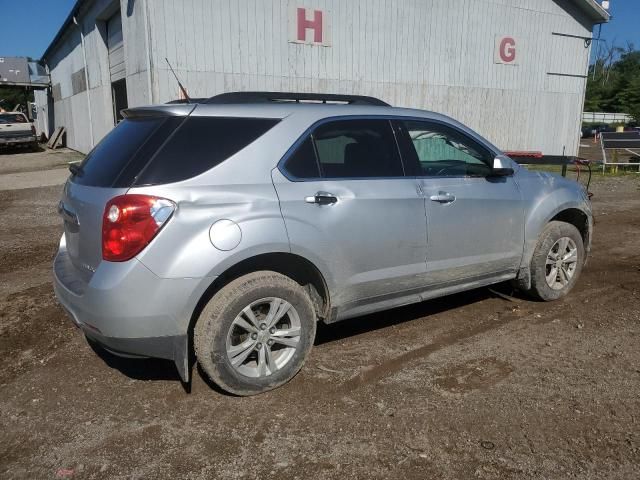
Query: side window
x=357, y=149
x=303, y=163
x=201, y=143
x=442, y=151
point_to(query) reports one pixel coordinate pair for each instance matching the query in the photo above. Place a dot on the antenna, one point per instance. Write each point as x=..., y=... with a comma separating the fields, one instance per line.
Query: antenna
x=182, y=89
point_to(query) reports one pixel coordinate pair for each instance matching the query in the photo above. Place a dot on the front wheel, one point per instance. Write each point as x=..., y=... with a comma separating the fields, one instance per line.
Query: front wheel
x=255, y=333
x=557, y=261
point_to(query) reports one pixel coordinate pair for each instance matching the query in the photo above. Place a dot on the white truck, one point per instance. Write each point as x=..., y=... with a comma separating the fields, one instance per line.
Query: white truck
x=15, y=129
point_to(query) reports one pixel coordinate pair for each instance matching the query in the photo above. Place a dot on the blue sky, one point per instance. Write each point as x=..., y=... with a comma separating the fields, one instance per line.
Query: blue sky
x=28, y=26
x=624, y=26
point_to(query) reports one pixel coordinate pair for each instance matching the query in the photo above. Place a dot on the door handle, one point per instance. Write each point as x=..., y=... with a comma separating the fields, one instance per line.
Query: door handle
x=442, y=197
x=322, y=198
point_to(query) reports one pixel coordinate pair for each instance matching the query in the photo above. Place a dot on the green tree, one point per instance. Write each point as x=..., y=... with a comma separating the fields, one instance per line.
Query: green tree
x=614, y=82
x=10, y=97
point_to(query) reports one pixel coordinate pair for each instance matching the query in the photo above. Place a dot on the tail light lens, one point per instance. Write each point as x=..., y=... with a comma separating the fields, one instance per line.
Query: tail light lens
x=33, y=129
x=130, y=222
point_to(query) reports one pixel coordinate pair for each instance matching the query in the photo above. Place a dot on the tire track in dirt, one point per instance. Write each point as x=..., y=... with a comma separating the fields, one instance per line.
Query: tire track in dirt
x=457, y=336
x=396, y=364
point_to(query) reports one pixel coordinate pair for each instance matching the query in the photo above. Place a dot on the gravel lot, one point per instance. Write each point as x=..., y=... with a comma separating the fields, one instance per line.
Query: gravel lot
x=470, y=386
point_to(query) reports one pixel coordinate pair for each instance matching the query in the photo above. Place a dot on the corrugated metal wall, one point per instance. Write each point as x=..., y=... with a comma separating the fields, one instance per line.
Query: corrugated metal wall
x=429, y=54
x=88, y=114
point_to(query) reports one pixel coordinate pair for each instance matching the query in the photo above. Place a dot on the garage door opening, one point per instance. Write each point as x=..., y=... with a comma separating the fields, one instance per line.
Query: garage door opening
x=119, y=95
x=117, y=69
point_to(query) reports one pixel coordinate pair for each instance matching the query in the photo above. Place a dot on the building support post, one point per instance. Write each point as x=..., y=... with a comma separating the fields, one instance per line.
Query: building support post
x=147, y=31
x=86, y=79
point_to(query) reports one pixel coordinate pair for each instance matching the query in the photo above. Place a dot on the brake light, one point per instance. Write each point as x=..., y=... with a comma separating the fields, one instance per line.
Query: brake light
x=130, y=222
x=33, y=129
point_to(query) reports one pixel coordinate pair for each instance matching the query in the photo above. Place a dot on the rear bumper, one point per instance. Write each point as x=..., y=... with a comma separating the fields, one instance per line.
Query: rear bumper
x=129, y=310
x=4, y=141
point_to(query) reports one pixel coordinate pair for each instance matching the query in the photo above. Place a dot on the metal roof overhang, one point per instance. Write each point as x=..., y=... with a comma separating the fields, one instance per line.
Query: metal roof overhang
x=35, y=86
x=68, y=21
x=593, y=10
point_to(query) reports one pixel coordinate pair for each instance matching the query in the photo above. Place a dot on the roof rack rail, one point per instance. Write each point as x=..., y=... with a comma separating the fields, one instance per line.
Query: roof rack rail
x=268, y=97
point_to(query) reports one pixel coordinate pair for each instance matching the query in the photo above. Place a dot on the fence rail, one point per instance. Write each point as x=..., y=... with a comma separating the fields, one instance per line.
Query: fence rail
x=629, y=142
x=604, y=117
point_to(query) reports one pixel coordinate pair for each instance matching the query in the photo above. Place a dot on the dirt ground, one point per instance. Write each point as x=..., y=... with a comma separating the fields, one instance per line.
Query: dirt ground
x=469, y=386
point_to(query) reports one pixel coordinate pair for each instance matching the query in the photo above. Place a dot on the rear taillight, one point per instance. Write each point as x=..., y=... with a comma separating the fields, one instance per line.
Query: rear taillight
x=130, y=222
x=33, y=129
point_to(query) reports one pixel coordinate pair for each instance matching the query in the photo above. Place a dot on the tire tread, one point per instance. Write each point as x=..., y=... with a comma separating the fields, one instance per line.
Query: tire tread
x=549, y=235
x=210, y=327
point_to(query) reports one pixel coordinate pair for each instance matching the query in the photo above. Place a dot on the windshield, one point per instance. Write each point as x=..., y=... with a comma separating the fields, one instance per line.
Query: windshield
x=12, y=118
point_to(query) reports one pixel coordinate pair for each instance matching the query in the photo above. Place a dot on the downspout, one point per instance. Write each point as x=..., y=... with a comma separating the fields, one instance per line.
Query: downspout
x=147, y=31
x=45, y=122
x=584, y=95
x=86, y=79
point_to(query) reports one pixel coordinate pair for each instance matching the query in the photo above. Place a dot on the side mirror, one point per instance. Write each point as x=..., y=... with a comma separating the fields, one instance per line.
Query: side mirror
x=502, y=166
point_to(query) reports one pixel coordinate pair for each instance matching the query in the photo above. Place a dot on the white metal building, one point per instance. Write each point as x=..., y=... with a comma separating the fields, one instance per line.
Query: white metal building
x=514, y=70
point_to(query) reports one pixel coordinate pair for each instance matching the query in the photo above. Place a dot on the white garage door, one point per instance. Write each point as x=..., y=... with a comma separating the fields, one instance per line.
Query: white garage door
x=116, y=48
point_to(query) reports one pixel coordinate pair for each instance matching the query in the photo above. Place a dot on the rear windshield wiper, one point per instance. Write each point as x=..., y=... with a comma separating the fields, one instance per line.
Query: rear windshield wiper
x=75, y=169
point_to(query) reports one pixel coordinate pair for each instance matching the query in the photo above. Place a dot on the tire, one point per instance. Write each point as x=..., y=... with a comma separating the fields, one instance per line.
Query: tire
x=222, y=330
x=552, y=240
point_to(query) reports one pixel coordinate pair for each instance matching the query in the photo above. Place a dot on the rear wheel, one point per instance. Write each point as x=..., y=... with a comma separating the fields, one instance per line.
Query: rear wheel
x=557, y=261
x=255, y=333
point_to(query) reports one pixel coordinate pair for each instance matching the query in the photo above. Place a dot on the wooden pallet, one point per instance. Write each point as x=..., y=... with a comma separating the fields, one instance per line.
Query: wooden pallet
x=55, y=140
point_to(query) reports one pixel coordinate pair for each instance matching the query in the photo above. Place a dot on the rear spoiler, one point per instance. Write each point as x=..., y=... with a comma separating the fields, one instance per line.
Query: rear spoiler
x=174, y=110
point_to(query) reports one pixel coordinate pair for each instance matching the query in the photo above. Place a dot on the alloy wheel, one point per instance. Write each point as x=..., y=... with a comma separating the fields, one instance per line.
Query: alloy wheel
x=263, y=337
x=561, y=263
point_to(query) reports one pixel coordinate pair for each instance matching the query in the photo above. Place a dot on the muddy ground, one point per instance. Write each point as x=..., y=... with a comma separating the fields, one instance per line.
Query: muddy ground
x=470, y=386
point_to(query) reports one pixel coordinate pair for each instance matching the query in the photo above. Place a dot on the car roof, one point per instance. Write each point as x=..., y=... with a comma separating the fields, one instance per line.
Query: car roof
x=305, y=114
x=303, y=108
x=263, y=104
x=282, y=110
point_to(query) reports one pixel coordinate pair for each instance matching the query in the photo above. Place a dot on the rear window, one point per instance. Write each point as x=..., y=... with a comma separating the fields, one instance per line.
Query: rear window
x=200, y=144
x=155, y=150
x=105, y=164
x=12, y=118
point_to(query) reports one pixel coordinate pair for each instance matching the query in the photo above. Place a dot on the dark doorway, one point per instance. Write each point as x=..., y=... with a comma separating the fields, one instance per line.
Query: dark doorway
x=119, y=95
x=117, y=68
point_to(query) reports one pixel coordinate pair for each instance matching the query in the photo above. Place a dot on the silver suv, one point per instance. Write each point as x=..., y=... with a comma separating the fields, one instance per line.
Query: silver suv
x=231, y=226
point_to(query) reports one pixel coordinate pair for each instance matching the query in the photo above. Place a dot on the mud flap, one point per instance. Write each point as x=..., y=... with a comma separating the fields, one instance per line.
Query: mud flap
x=181, y=357
x=523, y=280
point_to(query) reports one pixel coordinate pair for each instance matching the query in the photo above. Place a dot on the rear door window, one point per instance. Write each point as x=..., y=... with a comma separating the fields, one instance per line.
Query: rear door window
x=303, y=163
x=347, y=149
x=357, y=149
x=200, y=144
